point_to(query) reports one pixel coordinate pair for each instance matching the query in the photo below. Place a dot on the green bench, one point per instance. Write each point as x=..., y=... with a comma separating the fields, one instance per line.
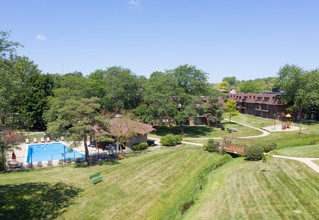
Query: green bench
x=96, y=178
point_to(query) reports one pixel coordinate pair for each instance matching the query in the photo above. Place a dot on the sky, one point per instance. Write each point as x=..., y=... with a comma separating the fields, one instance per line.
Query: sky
x=247, y=39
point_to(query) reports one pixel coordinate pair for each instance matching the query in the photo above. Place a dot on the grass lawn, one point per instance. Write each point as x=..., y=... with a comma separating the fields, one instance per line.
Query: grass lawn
x=205, y=131
x=301, y=151
x=240, y=190
x=316, y=161
x=252, y=120
x=195, y=140
x=148, y=185
x=293, y=138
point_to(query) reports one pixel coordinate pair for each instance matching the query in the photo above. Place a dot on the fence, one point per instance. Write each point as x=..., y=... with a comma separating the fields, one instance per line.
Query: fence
x=30, y=160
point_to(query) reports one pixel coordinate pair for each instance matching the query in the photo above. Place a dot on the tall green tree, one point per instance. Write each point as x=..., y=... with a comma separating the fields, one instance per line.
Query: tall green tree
x=158, y=98
x=250, y=86
x=77, y=119
x=301, y=89
x=231, y=109
x=213, y=108
x=231, y=80
x=118, y=88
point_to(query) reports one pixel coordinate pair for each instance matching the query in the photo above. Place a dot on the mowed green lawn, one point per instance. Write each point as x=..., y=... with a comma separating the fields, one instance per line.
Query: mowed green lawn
x=206, y=131
x=240, y=190
x=253, y=120
x=301, y=151
x=149, y=185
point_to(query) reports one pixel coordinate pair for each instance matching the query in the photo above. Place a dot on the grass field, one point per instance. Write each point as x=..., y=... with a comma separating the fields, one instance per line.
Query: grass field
x=252, y=120
x=301, y=151
x=149, y=185
x=240, y=190
x=316, y=161
x=205, y=131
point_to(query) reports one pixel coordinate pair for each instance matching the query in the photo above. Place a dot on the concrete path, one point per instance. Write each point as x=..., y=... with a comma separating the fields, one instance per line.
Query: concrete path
x=307, y=161
x=264, y=132
x=157, y=142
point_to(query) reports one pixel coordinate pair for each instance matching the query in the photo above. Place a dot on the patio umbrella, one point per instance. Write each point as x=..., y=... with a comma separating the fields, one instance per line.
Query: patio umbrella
x=13, y=155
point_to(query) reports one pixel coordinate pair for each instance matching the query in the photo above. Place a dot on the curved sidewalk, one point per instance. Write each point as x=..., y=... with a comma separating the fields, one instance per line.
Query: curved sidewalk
x=306, y=160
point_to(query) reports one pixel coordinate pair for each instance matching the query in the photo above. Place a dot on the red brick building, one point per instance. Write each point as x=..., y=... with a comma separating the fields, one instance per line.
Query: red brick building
x=265, y=105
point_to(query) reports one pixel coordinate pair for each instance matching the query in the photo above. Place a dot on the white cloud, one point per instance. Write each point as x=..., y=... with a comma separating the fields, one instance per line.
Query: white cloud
x=134, y=3
x=40, y=37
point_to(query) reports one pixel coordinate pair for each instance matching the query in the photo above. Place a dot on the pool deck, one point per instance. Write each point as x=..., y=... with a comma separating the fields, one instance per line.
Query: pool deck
x=21, y=154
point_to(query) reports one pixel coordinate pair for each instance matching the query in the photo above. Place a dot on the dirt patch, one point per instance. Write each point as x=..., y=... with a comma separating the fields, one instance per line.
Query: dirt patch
x=186, y=206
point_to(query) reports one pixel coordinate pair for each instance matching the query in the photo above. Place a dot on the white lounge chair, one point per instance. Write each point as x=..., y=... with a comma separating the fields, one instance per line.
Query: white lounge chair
x=27, y=141
x=48, y=139
x=35, y=140
x=42, y=140
x=62, y=138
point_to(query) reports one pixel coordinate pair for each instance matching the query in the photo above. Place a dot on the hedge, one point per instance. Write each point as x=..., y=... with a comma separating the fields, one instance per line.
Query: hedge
x=171, y=140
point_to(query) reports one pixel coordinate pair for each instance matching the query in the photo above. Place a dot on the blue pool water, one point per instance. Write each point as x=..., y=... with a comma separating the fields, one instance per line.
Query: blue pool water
x=55, y=151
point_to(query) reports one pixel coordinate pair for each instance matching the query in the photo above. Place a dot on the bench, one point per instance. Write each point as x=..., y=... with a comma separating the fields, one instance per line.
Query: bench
x=96, y=178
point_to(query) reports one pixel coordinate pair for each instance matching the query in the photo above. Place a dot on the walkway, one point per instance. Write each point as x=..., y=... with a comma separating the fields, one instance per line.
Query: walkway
x=264, y=133
x=307, y=161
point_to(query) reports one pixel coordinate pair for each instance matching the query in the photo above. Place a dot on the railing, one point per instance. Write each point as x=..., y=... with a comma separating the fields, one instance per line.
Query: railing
x=77, y=156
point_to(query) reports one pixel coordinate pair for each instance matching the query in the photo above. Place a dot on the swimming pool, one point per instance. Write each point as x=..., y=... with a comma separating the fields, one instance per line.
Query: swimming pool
x=55, y=151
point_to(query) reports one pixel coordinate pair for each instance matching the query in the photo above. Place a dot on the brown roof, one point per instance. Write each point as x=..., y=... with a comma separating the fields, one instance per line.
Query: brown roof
x=123, y=125
x=269, y=99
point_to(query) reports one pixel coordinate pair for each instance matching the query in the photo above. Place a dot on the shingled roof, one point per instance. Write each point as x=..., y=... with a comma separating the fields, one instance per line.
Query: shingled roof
x=122, y=125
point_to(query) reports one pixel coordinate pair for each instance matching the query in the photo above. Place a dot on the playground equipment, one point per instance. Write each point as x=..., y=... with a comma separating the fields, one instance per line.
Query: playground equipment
x=287, y=121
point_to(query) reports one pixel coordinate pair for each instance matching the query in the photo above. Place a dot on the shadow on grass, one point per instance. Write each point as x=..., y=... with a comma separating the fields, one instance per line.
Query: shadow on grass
x=35, y=200
x=310, y=122
x=189, y=131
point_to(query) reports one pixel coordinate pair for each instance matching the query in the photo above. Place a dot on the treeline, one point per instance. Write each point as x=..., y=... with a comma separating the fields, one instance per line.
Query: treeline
x=30, y=99
x=300, y=87
x=249, y=86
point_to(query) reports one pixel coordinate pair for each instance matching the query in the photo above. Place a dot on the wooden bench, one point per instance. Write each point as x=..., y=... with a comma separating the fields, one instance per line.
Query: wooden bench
x=96, y=178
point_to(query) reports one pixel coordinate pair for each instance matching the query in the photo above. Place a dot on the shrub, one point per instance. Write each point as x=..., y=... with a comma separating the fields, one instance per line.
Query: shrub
x=269, y=147
x=254, y=153
x=171, y=140
x=274, y=152
x=151, y=143
x=140, y=146
x=212, y=146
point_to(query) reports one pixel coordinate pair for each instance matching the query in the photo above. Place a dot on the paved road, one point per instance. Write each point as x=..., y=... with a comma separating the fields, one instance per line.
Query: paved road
x=305, y=160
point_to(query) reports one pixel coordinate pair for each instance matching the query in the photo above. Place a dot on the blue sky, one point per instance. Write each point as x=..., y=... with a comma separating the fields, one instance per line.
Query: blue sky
x=247, y=39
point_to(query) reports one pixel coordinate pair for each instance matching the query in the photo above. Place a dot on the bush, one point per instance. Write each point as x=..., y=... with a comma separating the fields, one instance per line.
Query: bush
x=171, y=140
x=211, y=146
x=254, y=153
x=151, y=143
x=140, y=146
x=274, y=152
x=269, y=147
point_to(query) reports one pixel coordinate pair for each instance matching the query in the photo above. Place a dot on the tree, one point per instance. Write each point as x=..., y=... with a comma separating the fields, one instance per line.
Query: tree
x=301, y=89
x=77, y=119
x=213, y=108
x=123, y=129
x=32, y=99
x=224, y=85
x=7, y=47
x=158, y=98
x=250, y=86
x=118, y=88
x=231, y=80
x=231, y=108
x=7, y=142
